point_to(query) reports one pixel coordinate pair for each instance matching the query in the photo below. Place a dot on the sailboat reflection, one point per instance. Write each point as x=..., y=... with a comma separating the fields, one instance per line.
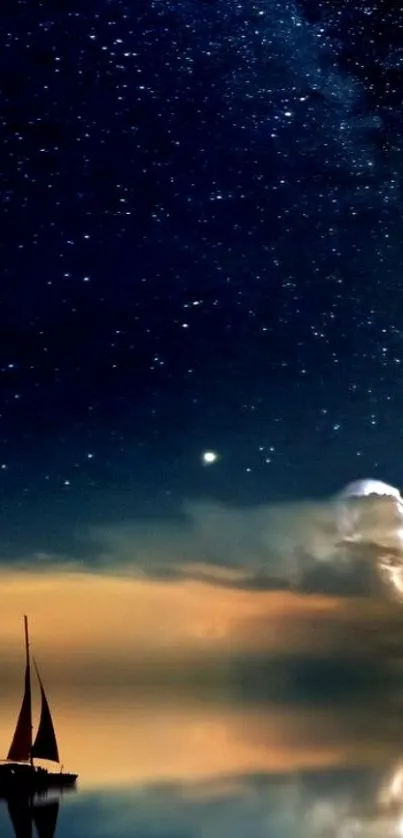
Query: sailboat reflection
x=33, y=817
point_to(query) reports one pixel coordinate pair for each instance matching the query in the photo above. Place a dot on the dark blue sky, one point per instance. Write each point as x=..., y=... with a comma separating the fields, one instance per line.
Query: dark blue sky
x=201, y=249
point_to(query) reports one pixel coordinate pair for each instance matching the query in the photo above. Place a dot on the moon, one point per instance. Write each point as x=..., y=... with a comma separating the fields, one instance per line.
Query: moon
x=369, y=486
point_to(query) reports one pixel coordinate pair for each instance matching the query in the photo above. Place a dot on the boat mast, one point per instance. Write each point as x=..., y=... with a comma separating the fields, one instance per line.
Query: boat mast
x=28, y=679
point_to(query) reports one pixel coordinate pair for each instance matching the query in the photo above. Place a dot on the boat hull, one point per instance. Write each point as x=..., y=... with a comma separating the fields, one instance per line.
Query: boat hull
x=17, y=777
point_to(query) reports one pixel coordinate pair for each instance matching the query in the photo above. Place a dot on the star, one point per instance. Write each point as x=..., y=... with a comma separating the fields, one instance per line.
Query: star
x=209, y=457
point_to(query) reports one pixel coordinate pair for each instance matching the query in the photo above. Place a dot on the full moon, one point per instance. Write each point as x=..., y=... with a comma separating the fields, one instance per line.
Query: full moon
x=209, y=457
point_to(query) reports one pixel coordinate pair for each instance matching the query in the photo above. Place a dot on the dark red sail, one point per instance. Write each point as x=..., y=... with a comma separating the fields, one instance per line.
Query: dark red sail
x=45, y=745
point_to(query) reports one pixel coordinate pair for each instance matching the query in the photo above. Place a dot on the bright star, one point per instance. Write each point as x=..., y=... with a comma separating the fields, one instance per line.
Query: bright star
x=209, y=457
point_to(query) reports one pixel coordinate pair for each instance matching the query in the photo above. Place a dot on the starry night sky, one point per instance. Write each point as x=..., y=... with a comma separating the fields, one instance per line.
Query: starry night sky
x=201, y=249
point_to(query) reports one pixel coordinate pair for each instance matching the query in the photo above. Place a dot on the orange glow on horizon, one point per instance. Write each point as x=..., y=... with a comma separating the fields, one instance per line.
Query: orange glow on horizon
x=72, y=611
x=83, y=617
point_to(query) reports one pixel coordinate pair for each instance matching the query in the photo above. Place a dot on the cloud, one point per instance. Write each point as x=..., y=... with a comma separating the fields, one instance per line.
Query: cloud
x=134, y=603
x=348, y=544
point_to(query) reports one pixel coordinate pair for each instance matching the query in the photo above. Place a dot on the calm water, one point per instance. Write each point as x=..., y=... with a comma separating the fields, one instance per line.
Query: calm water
x=215, y=769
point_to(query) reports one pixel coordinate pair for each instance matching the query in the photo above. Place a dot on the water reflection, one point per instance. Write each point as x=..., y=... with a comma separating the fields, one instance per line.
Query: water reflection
x=296, y=772
x=337, y=803
x=28, y=815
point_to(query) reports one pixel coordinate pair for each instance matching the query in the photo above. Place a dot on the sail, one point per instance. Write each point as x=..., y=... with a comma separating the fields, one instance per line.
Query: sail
x=45, y=745
x=20, y=749
x=45, y=819
x=20, y=817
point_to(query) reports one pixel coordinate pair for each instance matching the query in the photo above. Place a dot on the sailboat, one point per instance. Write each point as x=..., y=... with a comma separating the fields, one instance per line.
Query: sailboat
x=18, y=772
